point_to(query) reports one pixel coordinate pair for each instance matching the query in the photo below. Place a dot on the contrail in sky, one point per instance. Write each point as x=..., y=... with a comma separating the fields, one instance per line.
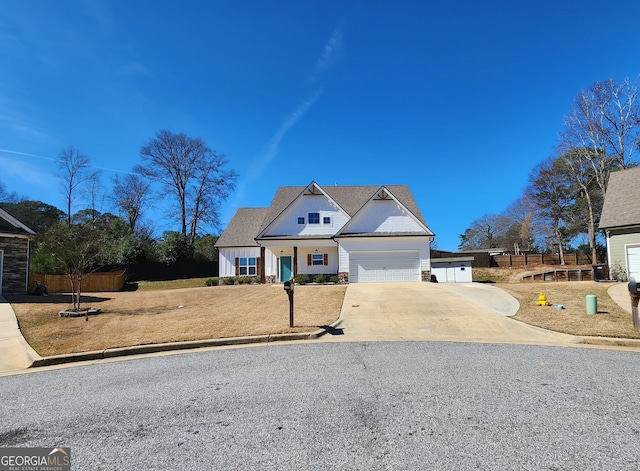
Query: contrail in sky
x=333, y=46
x=293, y=118
x=326, y=59
x=7, y=151
x=271, y=149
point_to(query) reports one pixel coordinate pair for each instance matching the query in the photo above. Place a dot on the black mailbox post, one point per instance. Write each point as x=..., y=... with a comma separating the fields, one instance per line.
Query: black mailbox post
x=634, y=292
x=288, y=287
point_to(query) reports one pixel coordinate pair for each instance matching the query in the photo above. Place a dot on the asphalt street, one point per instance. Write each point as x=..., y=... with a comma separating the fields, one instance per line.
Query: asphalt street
x=369, y=405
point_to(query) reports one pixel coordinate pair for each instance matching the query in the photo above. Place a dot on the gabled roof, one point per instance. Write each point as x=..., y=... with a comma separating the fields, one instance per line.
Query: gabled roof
x=248, y=223
x=284, y=199
x=349, y=198
x=622, y=201
x=384, y=193
x=10, y=225
x=243, y=228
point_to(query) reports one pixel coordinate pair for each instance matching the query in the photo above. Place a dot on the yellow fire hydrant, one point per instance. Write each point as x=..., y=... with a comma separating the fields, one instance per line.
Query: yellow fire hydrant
x=542, y=300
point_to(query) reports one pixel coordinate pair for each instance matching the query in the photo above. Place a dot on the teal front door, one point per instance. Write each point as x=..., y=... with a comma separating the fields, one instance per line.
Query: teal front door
x=285, y=268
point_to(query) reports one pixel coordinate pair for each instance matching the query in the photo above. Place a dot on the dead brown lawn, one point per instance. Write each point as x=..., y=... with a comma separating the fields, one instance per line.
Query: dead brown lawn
x=158, y=316
x=610, y=321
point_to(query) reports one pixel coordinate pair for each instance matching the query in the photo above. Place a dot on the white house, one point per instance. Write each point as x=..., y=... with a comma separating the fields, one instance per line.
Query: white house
x=363, y=233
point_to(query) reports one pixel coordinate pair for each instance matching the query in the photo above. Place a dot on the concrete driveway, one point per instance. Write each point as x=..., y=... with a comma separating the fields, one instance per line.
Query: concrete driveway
x=469, y=312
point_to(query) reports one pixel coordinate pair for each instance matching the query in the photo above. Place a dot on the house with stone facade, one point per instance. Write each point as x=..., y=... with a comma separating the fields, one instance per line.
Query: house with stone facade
x=15, y=240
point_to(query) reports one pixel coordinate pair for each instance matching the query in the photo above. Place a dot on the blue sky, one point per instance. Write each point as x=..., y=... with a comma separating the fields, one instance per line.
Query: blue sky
x=458, y=100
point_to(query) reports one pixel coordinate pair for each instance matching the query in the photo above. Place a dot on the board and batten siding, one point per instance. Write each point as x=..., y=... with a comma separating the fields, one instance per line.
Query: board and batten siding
x=287, y=223
x=618, y=240
x=384, y=244
x=331, y=268
x=227, y=258
x=385, y=217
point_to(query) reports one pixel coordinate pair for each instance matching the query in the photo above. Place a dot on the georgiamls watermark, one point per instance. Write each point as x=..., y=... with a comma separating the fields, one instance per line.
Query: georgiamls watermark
x=35, y=459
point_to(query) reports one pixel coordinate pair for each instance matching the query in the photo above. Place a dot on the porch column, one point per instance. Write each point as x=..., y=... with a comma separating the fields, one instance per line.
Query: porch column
x=295, y=261
x=262, y=277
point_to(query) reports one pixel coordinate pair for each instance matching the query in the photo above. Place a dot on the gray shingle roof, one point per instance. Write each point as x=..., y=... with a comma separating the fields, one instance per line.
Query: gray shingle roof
x=243, y=228
x=247, y=223
x=622, y=201
x=349, y=198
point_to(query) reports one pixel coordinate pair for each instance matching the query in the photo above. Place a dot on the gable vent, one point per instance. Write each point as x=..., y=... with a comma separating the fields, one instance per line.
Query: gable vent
x=313, y=190
x=383, y=195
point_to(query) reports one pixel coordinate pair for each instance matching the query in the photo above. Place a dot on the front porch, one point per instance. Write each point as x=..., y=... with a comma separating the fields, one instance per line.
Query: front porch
x=284, y=260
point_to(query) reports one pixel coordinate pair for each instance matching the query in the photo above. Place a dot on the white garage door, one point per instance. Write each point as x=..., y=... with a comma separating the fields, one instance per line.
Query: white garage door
x=633, y=262
x=379, y=267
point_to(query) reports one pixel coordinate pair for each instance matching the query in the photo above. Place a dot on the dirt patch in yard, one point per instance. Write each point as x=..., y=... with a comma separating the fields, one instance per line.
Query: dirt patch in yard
x=158, y=316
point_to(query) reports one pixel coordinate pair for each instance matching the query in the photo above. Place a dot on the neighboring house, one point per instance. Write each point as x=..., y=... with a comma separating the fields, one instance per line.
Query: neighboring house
x=620, y=220
x=15, y=238
x=362, y=233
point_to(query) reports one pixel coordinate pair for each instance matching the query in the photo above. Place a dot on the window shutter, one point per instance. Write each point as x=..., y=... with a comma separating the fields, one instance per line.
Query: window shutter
x=258, y=273
x=237, y=266
x=309, y=261
x=325, y=259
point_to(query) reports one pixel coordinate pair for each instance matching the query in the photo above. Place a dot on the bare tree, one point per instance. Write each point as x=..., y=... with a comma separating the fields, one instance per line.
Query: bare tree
x=484, y=233
x=94, y=190
x=131, y=196
x=6, y=197
x=603, y=128
x=73, y=166
x=521, y=224
x=192, y=173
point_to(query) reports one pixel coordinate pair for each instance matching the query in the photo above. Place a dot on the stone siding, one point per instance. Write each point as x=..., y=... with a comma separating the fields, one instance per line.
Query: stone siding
x=15, y=264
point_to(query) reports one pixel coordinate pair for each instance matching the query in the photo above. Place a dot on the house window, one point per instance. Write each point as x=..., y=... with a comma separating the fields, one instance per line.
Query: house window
x=300, y=220
x=326, y=220
x=247, y=266
x=314, y=218
x=317, y=259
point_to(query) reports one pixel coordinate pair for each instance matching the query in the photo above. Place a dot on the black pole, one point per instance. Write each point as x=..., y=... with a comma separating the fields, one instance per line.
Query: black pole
x=290, y=293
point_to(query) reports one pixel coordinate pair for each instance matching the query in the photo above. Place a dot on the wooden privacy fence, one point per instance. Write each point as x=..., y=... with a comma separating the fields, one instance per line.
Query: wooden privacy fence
x=95, y=282
x=524, y=260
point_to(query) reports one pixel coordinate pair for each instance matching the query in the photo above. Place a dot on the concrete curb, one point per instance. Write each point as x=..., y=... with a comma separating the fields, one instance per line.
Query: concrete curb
x=609, y=341
x=175, y=346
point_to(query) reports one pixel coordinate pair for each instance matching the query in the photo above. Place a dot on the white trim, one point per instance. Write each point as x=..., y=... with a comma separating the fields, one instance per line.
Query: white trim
x=307, y=188
x=344, y=229
x=298, y=243
x=626, y=257
x=248, y=266
x=609, y=252
x=14, y=222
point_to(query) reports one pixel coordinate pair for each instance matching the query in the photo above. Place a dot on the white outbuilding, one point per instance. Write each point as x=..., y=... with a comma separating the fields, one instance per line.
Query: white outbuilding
x=452, y=269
